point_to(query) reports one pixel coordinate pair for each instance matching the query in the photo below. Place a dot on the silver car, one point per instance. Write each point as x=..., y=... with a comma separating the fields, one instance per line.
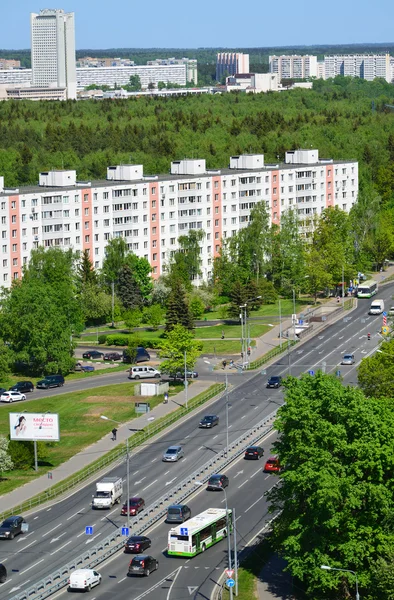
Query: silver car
x=348, y=359
x=173, y=454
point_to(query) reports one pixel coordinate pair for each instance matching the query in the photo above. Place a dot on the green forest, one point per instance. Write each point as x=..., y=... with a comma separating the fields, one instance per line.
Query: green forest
x=343, y=118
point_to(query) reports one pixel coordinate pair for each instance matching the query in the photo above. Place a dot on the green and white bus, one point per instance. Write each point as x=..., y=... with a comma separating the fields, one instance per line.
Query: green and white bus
x=367, y=289
x=198, y=533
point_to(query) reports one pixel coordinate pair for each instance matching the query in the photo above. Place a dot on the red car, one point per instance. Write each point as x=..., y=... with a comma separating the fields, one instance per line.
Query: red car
x=136, y=505
x=272, y=465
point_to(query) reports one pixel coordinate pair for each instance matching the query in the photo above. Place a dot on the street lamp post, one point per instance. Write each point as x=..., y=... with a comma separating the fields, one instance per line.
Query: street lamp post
x=328, y=568
x=228, y=405
x=127, y=470
x=229, y=561
x=186, y=381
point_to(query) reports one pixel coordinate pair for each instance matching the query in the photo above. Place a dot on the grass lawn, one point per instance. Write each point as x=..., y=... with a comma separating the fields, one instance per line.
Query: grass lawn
x=268, y=310
x=80, y=423
x=222, y=346
x=230, y=331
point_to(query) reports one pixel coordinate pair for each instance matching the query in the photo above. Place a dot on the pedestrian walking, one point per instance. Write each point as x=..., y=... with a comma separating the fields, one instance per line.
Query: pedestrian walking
x=114, y=432
x=224, y=363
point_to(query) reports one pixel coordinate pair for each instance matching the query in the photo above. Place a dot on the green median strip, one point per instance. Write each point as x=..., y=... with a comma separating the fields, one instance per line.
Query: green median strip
x=118, y=453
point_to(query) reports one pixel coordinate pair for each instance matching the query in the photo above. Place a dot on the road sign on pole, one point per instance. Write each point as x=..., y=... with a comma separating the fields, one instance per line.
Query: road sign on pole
x=230, y=583
x=311, y=372
x=125, y=531
x=89, y=530
x=229, y=573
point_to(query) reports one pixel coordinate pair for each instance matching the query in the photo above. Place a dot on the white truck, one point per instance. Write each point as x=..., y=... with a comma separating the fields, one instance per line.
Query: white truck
x=377, y=307
x=108, y=492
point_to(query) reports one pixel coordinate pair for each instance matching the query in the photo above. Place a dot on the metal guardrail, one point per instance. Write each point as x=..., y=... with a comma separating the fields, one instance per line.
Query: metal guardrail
x=113, y=457
x=271, y=354
x=115, y=542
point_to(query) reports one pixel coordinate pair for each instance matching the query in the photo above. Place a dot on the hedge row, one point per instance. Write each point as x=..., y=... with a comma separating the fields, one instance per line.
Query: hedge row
x=123, y=339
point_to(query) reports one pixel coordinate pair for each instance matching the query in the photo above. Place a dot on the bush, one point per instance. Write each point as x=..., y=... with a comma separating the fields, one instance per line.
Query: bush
x=117, y=339
x=102, y=339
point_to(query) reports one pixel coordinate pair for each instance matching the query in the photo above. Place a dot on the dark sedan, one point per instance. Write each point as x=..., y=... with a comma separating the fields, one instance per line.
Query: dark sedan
x=137, y=544
x=136, y=505
x=11, y=527
x=112, y=356
x=217, y=482
x=22, y=386
x=254, y=452
x=209, y=421
x=143, y=565
x=274, y=382
x=92, y=354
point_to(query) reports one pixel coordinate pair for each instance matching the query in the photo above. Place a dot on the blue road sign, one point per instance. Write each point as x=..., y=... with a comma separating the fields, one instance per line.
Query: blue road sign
x=89, y=530
x=311, y=372
x=300, y=322
x=184, y=531
x=230, y=583
x=384, y=313
x=125, y=531
x=338, y=373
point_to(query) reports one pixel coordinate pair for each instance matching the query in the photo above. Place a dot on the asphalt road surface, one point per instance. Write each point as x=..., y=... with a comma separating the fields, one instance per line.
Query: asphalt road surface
x=58, y=533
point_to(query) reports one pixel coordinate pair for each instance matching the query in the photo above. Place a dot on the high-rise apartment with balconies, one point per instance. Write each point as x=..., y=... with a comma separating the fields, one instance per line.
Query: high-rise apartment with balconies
x=231, y=63
x=293, y=66
x=53, y=50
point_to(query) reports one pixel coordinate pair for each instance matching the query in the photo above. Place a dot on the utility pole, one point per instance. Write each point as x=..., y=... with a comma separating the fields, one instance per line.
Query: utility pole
x=186, y=381
x=280, y=324
x=113, y=302
x=235, y=552
x=343, y=286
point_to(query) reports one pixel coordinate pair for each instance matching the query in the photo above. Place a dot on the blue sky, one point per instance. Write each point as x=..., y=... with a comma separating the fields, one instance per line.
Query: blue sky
x=208, y=23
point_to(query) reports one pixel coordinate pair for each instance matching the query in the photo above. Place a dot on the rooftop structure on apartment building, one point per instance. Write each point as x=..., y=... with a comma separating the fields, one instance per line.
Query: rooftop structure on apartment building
x=151, y=212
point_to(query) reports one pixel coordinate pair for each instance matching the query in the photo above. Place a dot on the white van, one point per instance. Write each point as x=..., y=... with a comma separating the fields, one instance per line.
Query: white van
x=84, y=579
x=377, y=307
x=144, y=373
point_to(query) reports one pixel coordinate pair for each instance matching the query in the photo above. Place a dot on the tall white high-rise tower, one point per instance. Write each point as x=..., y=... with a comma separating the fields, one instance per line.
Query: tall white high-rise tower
x=53, y=50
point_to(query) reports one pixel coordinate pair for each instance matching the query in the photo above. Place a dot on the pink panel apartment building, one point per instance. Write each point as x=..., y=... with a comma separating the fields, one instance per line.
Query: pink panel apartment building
x=151, y=212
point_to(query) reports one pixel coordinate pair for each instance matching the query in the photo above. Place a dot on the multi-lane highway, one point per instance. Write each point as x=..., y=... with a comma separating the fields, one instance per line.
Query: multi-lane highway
x=58, y=533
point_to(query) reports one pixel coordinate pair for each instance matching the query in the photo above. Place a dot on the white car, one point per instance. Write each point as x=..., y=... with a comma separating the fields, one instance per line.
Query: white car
x=12, y=396
x=84, y=579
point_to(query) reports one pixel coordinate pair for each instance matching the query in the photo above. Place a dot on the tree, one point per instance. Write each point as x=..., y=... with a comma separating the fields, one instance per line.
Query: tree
x=6, y=463
x=178, y=341
x=6, y=360
x=178, y=312
x=381, y=239
x=95, y=304
x=41, y=312
x=128, y=290
x=197, y=307
x=115, y=258
x=376, y=373
x=161, y=85
x=186, y=263
x=317, y=277
x=238, y=297
x=153, y=315
x=336, y=493
x=134, y=84
x=86, y=273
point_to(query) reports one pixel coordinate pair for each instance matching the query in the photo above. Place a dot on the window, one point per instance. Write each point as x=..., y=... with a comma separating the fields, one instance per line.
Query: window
x=87, y=239
x=14, y=233
x=76, y=212
x=13, y=204
x=15, y=247
x=86, y=212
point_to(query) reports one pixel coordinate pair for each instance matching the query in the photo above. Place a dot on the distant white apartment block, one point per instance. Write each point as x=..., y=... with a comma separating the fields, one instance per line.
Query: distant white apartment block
x=53, y=50
x=365, y=66
x=151, y=212
x=293, y=66
x=148, y=74
x=231, y=63
x=190, y=64
x=253, y=82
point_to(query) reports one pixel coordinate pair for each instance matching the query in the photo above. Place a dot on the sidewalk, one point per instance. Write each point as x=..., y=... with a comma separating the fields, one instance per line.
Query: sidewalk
x=91, y=453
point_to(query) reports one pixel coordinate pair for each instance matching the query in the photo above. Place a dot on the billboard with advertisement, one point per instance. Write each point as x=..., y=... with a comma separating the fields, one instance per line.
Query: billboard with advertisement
x=40, y=427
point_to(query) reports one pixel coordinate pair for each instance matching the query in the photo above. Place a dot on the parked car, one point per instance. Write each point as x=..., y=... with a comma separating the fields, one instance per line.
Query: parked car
x=12, y=396
x=144, y=373
x=143, y=565
x=209, y=421
x=141, y=355
x=348, y=359
x=217, y=482
x=173, y=454
x=50, y=381
x=272, y=465
x=11, y=527
x=83, y=368
x=254, y=452
x=181, y=375
x=22, y=386
x=136, y=505
x=178, y=513
x=92, y=354
x=3, y=573
x=112, y=356
x=274, y=382
x=137, y=544
x=84, y=579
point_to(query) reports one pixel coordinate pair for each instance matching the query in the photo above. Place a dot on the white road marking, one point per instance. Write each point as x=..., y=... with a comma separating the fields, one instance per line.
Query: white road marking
x=254, y=474
x=243, y=416
x=139, y=481
x=123, y=579
x=148, y=486
x=109, y=513
x=75, y=514
x=200, y=448
x=166, y=473
x=135, y=472
x=61, y=548
x=23, y=549
x=91, y=539
x=168, y=482
x=214, y=437
x=58, y=537
x=254, y=503
x=35, y=518
x=154, y=460
x=242, y=484
x=32, y=566
x=53, y=529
